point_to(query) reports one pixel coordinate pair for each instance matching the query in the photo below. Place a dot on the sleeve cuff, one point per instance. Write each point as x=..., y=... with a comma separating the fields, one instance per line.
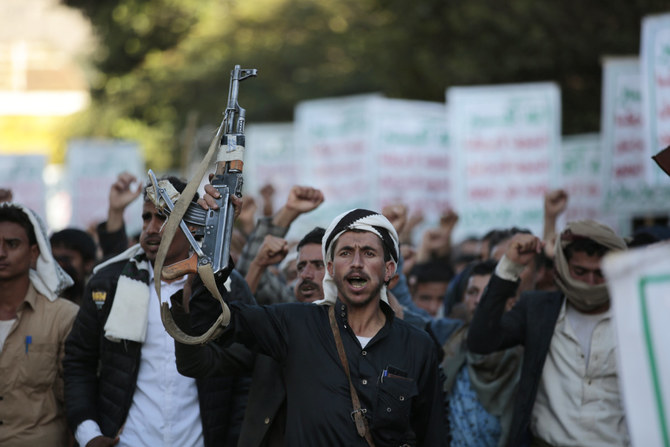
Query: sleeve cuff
x=509, y=270
x=86, y=431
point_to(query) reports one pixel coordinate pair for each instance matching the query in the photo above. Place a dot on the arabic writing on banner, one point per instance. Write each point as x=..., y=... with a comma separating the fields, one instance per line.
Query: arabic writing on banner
x=412, y=147
x=92, y=167
x=333, y=140
x=23, y=175
x=270, y=158
x=625, y=160
x=369, y=151
x=506, y=141
x=655, y=53
x=639, y=285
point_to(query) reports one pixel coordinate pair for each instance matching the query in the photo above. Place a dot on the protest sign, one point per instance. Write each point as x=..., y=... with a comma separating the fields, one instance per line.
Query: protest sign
x=333, y=138
x=270, y=158
x=411, y=144
x=655, y=54
x=369, y=151
x=639, y=285
x=582, y=177
x=625, y=161
x=93, y=166
x=506, y=141
x=23, y=174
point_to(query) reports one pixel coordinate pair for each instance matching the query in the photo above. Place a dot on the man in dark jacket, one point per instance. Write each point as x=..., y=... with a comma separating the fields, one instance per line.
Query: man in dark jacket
x=121, y=382
x=265, y=416
x=392, y=367
x=568, y=392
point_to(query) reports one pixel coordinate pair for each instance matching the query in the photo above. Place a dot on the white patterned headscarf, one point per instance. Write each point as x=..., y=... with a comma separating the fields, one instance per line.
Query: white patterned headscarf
x=357, y=219
x=48, y=277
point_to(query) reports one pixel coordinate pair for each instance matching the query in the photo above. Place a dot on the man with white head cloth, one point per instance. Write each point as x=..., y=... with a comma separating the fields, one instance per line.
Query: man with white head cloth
x=355, y=375
x=34, y=323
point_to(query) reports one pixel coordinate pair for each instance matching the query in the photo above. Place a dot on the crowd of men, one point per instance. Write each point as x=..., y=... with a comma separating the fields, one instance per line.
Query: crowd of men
x=354, y=335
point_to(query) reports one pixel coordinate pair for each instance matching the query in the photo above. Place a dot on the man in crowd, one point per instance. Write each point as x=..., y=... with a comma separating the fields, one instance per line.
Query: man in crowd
x=34, y=323
x=391, y=365
x=480, y=388
x=428, y=284
x=309, y=265
x=568, y=392
x=265, y=416
x=270, y=288
x=76, y=251
x=121, y=382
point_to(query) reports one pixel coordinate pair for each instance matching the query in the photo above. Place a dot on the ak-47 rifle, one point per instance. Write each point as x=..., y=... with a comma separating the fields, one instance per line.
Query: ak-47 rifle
x=212, y=258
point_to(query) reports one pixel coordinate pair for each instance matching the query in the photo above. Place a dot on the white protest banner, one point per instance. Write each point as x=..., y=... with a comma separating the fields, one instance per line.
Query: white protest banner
x=92, y=167
x=655, y=54
x=506, y=141
x=334, y=140
x=270, y=158
x=412, y=146
x=23, y=174
x=639, y=285
x=625, y=160
x=584, y=181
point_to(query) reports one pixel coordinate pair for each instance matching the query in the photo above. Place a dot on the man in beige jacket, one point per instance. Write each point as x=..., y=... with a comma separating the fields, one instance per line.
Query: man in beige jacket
x=33, y=325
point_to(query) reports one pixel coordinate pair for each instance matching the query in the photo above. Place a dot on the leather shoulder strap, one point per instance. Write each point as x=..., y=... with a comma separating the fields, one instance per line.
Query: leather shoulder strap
x=358, y=415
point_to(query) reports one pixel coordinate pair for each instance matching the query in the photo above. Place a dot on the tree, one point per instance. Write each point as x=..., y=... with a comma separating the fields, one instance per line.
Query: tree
x=159, y=60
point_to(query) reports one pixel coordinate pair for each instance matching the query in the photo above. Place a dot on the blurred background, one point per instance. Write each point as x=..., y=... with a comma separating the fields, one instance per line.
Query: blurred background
x=151, y=76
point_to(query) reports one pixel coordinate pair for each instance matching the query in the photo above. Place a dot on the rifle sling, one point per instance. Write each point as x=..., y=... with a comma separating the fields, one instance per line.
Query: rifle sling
x=358, y=413
x=205, y=271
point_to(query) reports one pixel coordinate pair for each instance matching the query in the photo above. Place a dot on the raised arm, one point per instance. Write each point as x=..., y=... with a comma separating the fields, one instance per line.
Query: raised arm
x=112, y=232
x=493, y=329
x=555, y=203
x=272, y=251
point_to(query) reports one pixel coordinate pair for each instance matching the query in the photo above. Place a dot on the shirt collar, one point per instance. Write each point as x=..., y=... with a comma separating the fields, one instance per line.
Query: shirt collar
x=30, y=299
x=342, y=314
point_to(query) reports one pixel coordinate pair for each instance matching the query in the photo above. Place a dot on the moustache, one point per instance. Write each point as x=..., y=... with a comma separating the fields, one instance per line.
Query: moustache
x=307, y=282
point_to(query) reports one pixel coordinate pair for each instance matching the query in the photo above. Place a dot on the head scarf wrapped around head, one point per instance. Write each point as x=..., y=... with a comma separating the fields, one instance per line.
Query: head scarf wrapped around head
x=583, y=296
x=357, y=219
x=48, y=277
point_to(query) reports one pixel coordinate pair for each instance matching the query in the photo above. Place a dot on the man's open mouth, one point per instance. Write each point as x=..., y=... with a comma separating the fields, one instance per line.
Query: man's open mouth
x=357, y=282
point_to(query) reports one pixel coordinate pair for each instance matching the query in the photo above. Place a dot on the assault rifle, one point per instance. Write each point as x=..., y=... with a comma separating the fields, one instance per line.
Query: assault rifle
x=214, y=226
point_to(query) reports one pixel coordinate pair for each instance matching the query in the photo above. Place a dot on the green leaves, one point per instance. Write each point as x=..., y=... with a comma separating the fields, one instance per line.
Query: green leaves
x=158, y=60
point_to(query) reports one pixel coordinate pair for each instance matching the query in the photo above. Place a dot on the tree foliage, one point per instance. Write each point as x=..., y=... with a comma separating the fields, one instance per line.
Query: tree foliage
x=159, y=60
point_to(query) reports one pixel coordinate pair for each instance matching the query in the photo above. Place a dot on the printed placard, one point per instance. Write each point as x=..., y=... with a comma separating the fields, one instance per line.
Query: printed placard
x=93, y=166
x=625, y=160
x=23, y=174
x=655, y=54
x=639, y=285
x=506, y=141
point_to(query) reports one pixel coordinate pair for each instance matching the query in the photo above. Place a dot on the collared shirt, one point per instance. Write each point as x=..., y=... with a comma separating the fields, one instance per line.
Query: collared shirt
x=403, y=405
x=469, y=422
x=165, y=410
x=578, y=401
x=31, y=373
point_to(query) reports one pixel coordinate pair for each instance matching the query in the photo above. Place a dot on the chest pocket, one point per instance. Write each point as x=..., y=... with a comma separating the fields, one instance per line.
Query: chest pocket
x=391, y=417
x=38, y=366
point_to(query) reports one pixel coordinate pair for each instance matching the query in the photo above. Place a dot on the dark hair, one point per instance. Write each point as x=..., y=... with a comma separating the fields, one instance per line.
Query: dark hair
x=483, y=268
x=179, y=185
x=313, y=237
x=584, y=245
x=11, y=213
x=437, y=270
x=77, y=240
x=495, y=237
